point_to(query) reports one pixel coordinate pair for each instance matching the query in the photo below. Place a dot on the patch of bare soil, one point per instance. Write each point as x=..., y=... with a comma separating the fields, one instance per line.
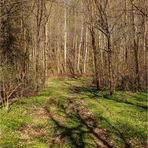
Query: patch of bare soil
x=146, y=144
x=40, y=113
x=38, y=127
x=29, y=132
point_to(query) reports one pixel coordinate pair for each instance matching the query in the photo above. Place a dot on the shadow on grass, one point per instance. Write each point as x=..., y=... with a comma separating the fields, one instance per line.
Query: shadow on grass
x=94, y=93
x=89, y=91
x=75, y=134
x=123, y=100
x=97, y=135
x=118, y=132
x=71, y=129
x=140, y=97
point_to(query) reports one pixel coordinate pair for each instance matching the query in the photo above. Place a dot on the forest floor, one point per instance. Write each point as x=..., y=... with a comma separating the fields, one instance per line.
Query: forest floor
x=71, y=113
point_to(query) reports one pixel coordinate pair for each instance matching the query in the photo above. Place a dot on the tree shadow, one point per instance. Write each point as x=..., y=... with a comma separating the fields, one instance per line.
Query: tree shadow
x=100, y=136
x=77, y=132
x=89, y=91
x=74, y=134
x=116, y=99
x=139, y=97
x=92, y=92
x=118, y=132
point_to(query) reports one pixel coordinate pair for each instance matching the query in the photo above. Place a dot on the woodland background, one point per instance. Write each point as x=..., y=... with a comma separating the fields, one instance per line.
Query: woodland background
x=103, y=39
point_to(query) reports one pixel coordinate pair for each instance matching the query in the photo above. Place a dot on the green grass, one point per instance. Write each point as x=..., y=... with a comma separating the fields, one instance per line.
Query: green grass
x=26, y=124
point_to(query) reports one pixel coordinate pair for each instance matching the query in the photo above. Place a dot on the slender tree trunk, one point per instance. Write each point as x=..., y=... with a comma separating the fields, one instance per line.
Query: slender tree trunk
x=58, y=57
x=79, y=51
x=39, y=20
x=45, y=53
x=136, y=50
x=95, y=58
x=111, y=78
x=65, y=39
x=86, y=51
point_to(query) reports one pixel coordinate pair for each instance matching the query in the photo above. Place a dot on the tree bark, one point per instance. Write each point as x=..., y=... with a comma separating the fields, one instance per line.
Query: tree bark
x=86, y=51
x=65, y=38
x=95, y=58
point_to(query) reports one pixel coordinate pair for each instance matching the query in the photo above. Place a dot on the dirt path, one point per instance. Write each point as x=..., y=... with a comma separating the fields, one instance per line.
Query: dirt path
x=99, y=135
x=42, y=115
x=69, y=114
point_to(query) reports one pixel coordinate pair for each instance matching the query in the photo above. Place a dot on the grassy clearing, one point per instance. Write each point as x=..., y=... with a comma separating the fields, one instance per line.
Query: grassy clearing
x=28, y=124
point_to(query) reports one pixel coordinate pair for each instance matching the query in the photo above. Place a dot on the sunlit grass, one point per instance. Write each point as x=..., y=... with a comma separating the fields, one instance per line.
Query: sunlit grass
x=123, y=114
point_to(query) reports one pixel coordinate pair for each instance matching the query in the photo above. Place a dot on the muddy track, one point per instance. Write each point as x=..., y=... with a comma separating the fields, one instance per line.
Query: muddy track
x=99, y=135
x=111, y=115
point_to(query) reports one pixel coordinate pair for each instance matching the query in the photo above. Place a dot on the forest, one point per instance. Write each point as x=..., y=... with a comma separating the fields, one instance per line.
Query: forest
x=73, y=73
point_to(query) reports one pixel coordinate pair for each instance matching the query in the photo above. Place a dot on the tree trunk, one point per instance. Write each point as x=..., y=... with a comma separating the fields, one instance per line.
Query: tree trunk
x=80, y=45
x=136, y=51
x=95, y=58
x=111, y=78
x=65, y=39
x=86, y=51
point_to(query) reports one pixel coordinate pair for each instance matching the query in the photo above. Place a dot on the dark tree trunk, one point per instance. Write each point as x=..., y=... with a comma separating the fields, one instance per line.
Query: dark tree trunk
x=111, y=77
x=95, y=59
